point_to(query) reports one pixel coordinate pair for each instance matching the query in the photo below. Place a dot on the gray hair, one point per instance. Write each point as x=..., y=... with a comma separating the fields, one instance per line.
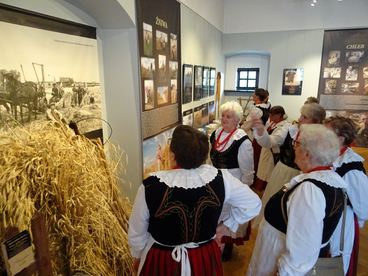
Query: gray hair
x=321, y=142
x=234, y=107
x=313, y=111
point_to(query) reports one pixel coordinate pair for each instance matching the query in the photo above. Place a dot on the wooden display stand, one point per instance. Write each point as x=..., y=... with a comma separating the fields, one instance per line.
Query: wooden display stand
x=42, y=264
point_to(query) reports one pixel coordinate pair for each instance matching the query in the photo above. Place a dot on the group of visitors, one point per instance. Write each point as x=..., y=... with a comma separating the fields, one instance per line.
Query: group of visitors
x=185, y=221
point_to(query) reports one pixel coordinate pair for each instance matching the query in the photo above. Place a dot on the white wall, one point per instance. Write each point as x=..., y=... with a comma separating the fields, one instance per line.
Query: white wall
x=245, y=16
x=232, y=63
x=211, y=10
x=289, y=49
x=201, y=44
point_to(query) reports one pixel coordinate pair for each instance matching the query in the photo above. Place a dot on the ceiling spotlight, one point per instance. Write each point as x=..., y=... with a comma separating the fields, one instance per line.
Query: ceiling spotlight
x=312, y=4
x=314, y=1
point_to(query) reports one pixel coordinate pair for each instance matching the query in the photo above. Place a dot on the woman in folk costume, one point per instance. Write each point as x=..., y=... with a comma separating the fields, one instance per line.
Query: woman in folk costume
x=232, y=150
x=270, y=156
x=174, y=222
x=286, y=168
x=301, y=217
x=260, y=110
x=349, y=166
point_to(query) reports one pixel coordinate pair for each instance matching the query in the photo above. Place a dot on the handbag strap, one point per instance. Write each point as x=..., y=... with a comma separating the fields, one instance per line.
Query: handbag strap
x=342, y=236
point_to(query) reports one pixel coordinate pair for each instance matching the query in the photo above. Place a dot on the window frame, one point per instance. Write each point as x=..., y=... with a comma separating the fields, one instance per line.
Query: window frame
x=238, y=79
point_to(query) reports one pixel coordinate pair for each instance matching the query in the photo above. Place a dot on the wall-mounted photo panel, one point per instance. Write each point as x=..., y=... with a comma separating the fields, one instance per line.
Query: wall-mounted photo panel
x=292, y=81
x=343, y=87
x=188, y=117
x=48, y=71
x=187, y=83
x=205, y=82
x=158, y=27
x=198, y=81
x=212, y=81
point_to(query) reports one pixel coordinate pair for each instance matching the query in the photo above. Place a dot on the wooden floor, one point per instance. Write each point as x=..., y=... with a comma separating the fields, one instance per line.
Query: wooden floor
x=237, y=266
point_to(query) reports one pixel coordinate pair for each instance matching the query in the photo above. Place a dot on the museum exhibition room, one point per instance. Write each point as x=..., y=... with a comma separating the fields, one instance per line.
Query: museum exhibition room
x=184, y=137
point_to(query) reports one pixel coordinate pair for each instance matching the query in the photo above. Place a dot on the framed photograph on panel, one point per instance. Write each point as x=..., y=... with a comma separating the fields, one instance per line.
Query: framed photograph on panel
x=206, y=82
x=198, y=79
x=187, y=83
x=212, y=81
x=292, y=81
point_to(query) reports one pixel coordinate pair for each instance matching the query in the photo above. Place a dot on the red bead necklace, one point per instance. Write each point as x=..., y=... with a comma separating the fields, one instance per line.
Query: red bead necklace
x=222, y=144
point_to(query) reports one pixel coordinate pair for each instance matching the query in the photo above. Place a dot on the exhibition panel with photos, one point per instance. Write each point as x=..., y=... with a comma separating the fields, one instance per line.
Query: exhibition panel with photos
x=343, y=85
x=167, y=86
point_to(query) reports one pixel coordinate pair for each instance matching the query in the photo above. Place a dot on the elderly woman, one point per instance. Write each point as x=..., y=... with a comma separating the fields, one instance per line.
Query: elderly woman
x=301, y=217
x=286, y=168
x=349, y=166
x=231, y=147
x=270, y=156
x=175, y=214
x=232, y=150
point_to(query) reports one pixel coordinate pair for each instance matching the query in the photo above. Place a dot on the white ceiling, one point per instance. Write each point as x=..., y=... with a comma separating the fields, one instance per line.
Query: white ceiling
x=244, y=16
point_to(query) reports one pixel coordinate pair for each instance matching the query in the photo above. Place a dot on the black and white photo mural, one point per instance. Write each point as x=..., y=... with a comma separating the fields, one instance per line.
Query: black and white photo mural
x=48, y=71
x=343, y=82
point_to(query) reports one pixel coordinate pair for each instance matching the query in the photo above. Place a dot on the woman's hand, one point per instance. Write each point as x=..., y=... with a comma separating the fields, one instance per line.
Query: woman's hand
x=221, y=231
x=257, y=124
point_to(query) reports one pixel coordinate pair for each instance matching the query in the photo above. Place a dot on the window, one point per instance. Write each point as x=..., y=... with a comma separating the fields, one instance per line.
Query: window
x=247, y=79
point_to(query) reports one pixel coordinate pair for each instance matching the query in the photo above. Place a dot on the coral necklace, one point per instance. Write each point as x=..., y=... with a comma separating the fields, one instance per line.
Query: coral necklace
x=222, y=144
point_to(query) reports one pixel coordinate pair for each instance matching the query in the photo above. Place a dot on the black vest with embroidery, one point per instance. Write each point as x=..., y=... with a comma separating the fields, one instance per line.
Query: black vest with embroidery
x=265, y=113
x=287, y=153
x=179, y=215
x=276, y=213
x=227, y=159
x=346, y=167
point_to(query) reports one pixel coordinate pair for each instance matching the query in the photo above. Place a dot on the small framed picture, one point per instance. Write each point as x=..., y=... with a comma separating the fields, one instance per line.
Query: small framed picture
x=198, y=82
x=206, y=82
x=212, y=81
x=187, y=83
x=292, y=81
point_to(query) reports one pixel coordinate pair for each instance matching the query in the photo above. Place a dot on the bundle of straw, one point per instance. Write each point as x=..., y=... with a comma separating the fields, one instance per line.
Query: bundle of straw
x=46, y=167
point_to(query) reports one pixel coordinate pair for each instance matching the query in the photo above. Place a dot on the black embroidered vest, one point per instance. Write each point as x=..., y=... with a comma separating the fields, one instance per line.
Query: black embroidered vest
x=265, y=113
x=227, y=159
x=346, y=167
x=179, y=215
x=287, y=153
x=276, y=213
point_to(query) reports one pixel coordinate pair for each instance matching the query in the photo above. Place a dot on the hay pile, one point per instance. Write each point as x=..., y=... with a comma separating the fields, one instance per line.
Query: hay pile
x=68, y=179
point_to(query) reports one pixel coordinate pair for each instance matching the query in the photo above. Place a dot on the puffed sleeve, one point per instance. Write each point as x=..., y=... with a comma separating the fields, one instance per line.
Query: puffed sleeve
x=357, y=190
x=244, y=203
x=306, y=211
x=276, y=139
x=138, y=224
x=246, y=162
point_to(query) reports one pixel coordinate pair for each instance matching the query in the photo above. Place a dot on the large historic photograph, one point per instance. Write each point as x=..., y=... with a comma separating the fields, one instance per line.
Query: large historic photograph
x=47, y=75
